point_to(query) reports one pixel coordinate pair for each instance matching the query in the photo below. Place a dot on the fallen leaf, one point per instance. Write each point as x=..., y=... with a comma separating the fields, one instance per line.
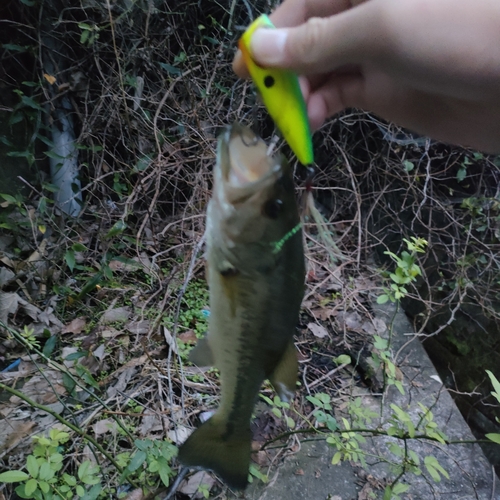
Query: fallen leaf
x=170, y=340
x=75, y=326
x=100, y=352
x=138, y=327
x=13, y=431
x=39, y=389
x=9, y=303
x=191, y=486
x=51, y=79
x=104, y=426
x=188, y=337
x=318, y=330
x=6, y=275
x=110, y=332
x=150, y=423
x=136, y=494
x=118, y=314
x=179, y=435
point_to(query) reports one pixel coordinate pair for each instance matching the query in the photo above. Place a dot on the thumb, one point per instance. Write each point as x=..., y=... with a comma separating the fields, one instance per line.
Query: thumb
x=320, y=44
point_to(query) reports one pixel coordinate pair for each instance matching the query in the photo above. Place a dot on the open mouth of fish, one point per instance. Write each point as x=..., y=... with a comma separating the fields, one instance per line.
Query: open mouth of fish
x=244, y=162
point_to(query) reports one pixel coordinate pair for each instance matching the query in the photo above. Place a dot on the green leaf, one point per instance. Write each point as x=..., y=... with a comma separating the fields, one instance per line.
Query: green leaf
x=14, y=48
x=171, y=70
x=118, y=227
x=32, y=466
x=380, y=343
x=382, y=299
x=29, y=3
x=434, y=468
x=78, y=247
x=70, y=480
x=31, y=486
x=408, y=165
x=336, y=458
x=83, y=38
x=48, y=349
x=496, y=385
x=45, y=487
x=69, y=257
x=46, y=472
x=137, y=460
x=93, y=493
x=461, y=174
x=164, y=471
x=493, y=437
x=343, y=359
x=399, y=488
x=80, y=490
x=13, y=476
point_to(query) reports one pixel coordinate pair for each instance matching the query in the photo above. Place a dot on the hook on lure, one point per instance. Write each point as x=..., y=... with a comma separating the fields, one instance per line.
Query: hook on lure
x=281, y=94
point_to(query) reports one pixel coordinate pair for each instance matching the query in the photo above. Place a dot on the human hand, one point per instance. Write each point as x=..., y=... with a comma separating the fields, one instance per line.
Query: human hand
x=431, y=66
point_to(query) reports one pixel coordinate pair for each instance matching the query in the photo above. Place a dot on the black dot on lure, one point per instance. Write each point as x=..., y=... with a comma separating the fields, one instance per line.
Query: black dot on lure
x=269, y=81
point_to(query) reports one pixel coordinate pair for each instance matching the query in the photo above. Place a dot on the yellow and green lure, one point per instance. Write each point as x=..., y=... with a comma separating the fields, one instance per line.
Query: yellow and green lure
x=282, y=97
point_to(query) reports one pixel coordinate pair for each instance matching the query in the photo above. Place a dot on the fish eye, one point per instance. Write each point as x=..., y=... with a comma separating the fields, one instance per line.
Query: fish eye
x=269, y=81
x=272, y=208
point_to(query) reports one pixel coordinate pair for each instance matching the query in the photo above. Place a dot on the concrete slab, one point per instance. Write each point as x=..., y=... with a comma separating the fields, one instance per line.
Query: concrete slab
x=309, y=474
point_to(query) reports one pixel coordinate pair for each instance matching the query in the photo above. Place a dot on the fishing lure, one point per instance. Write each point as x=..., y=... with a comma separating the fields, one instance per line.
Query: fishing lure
x=282, y=97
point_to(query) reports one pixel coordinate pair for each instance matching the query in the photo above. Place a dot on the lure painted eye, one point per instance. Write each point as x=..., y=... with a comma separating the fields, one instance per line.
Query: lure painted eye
x=269, y=81
x=272, y=208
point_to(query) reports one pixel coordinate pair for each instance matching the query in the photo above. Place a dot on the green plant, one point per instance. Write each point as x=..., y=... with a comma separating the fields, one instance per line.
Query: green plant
x=495, y=437
x=151, y=458
x=406, y=270
x=43, y=480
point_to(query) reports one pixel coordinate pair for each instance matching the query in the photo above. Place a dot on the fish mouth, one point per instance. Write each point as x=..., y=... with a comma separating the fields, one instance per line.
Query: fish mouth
x=244, y=161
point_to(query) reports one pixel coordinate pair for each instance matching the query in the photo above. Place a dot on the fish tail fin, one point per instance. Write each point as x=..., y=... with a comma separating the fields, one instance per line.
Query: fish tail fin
x=215, y=446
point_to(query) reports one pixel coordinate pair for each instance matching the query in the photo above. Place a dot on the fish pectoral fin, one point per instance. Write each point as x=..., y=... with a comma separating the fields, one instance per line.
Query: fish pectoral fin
x=284, y=376
x=201, y=354
x=209, y=447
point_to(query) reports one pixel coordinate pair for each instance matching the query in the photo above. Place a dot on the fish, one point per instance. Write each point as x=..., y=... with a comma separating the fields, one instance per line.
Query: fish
x=256, y=274
x=281, y=94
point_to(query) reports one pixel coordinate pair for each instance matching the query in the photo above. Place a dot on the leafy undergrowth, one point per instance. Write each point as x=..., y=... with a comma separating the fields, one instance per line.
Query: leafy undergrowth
x=98, y=312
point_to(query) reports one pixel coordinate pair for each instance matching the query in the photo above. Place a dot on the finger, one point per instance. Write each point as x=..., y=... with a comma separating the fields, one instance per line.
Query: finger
x=323, y=44
x=293, y=13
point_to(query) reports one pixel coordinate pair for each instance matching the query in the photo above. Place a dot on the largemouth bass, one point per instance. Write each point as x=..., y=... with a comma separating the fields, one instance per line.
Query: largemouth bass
x=255, y=265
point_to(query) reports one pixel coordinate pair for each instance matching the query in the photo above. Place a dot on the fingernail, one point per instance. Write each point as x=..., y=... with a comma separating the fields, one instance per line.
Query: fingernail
x=268, y=45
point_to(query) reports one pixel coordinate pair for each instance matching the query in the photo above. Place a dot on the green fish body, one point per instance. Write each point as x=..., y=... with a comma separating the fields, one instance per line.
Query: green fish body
x=256, y=271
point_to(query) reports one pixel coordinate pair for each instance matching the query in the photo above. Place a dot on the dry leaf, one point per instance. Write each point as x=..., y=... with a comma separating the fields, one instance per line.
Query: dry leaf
x=170, y=340
x=190, y=486
x=103, y=426
x=150, y=423
x=39, y=389
x=179, y=435
x=75, y=326
x=9, y=303
x=118, y=314
x=13, y=431
x=318, y=330
x=188, y=337
x=138, y=327
x=51, y=79
x=136, y=494
x=6, y=275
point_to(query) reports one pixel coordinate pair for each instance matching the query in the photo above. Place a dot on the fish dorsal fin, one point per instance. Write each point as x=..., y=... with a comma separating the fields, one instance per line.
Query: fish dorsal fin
x=284, y=376
x=201, y=354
